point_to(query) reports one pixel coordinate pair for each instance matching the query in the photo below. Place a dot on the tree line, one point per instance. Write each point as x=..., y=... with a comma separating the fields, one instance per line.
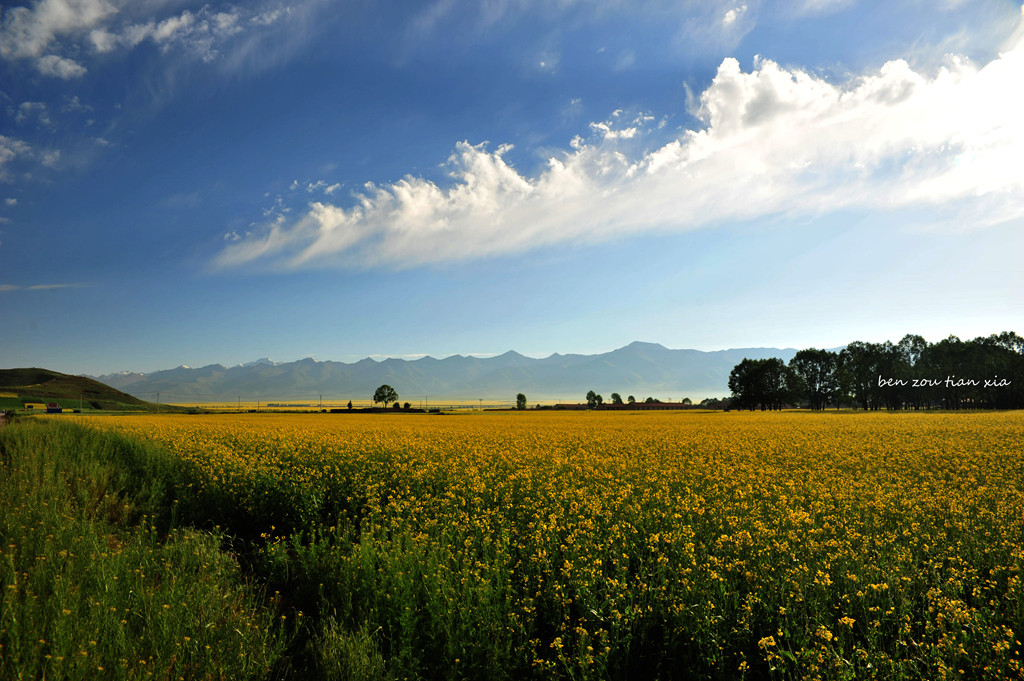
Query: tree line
x=984, y=373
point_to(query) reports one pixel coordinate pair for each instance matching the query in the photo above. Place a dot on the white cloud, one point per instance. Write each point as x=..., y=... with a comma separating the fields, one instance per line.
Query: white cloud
x=50, y=158
x=11, y=148
x=75, y=104
x=198, y=34
x=29, y=110
x=318, y=186
x=16, y=151
x=776, y=141
x=4, y=288
x=733, y=14
x=11, y=202
x=29, y=32
x=50, y=30
x=60, y=67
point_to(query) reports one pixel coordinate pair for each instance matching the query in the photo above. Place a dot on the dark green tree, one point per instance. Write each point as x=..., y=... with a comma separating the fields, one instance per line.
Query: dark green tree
x=594, y=400
x=386, y=395
x=815, y=374
x=616, y=398
x=765, y=383
x=858, y=372
x=520, y=401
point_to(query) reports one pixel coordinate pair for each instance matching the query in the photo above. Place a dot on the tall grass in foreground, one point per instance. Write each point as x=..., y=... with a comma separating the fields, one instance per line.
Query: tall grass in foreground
x=91, y=588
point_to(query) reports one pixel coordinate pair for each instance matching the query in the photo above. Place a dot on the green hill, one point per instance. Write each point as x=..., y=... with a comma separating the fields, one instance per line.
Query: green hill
x=20, y=386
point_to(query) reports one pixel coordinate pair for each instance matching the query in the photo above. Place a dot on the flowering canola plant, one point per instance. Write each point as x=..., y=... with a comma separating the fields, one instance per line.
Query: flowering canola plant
x=640, y=544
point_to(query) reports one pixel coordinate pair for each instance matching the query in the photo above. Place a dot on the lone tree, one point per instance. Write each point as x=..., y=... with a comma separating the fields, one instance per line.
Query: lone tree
x=520, y=401
x=616, y=398
x=385, y=394
x=594, y=400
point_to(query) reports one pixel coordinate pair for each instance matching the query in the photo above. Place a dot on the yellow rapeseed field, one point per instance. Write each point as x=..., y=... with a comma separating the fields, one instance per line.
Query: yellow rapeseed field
x=639, y=544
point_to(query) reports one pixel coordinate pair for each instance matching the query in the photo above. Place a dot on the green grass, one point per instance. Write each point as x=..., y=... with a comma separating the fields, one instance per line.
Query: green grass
x=11, y=403
x=71, y=392
x=92, y=585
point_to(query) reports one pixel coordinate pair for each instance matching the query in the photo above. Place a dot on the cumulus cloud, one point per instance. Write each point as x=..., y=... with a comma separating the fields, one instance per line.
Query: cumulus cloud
x=29, y=31
x=733, y=14
x=60, y=67
x=775, y=141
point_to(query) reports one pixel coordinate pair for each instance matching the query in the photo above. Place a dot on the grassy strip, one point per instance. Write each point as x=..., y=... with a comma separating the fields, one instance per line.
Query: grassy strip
x=90, y=585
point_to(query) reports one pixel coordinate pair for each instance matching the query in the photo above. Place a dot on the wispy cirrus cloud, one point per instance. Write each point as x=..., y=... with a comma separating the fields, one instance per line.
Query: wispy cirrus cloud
x=57, y=36
x=775, y=141
x=6, y=288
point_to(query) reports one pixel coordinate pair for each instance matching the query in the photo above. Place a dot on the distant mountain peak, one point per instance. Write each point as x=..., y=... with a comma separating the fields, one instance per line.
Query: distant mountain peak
x=262, y=361
x=636, y=345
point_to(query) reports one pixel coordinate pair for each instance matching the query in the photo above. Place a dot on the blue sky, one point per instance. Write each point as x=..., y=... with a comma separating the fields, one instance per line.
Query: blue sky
x=192, y=183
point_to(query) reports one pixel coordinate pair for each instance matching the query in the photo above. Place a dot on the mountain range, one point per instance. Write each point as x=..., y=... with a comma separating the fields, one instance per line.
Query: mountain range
x=640, y=369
